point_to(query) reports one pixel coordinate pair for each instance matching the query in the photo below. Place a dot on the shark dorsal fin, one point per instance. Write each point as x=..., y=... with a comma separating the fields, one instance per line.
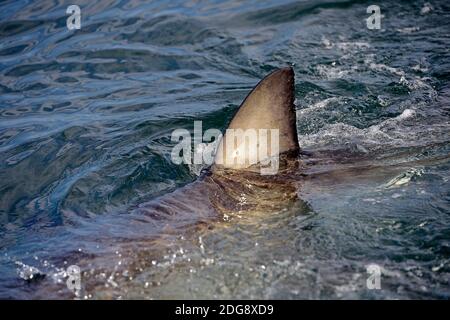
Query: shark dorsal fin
x=270, y=105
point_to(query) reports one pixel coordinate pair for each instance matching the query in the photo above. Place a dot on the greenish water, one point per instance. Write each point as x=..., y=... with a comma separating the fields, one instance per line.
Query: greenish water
x=85, y=123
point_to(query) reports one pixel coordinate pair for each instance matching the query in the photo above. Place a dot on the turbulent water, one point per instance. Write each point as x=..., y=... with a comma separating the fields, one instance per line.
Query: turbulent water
x=85, y=123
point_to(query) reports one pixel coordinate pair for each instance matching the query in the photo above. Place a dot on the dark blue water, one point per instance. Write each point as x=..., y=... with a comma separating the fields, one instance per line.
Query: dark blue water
x=85, y=123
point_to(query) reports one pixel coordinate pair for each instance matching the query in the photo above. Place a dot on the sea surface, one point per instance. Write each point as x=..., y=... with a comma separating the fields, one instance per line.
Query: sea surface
x=86, y=118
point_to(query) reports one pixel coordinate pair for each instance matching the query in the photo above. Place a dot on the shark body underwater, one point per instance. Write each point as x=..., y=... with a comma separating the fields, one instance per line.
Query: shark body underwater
x=226, y=189
x=154, y=245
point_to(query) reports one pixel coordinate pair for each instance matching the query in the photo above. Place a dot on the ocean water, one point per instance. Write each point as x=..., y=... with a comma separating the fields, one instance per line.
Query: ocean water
x=86, y=118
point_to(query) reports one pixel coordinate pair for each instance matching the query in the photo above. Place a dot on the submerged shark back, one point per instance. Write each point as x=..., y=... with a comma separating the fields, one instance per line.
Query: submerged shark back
x=226, y=191
x=267, y=113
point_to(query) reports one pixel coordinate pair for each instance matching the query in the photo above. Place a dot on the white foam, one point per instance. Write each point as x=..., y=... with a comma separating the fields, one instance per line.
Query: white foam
x=382, y=67
x=332, y=72
x=352, y=46
x=407, y=113
x=404, y=178
x=408, y=30
x=427, y=8
x=27, y=272
x=318, y=106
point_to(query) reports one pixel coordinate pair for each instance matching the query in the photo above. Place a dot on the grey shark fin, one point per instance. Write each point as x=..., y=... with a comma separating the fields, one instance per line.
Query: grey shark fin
x=268, y=109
